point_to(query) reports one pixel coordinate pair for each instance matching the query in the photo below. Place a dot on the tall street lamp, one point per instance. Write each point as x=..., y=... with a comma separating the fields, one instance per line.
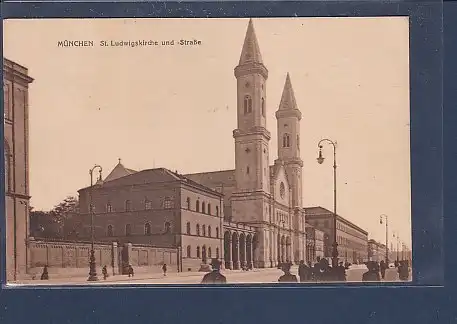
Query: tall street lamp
x=397, y=236
x=386, y=218
x=92, y=266
x=320, y=160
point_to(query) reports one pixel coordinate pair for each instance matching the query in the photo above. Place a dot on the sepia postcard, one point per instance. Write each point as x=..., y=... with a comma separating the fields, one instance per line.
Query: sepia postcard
x=207, y=151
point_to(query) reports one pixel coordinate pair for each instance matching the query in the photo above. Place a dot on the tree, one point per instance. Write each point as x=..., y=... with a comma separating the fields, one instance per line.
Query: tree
x=50, y=224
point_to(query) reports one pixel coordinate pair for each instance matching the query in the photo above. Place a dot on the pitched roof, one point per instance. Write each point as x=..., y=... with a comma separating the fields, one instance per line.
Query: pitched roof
x=288, y=97
x=119, y=171
x=214, y=179
x=251, y=50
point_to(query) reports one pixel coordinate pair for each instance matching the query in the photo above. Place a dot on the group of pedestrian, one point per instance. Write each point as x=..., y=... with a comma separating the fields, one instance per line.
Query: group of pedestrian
x=319, y=272
x=377, y=271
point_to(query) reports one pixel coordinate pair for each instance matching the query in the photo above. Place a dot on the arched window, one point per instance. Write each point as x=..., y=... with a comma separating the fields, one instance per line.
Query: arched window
x=128, y=205
x=217, y=253
x=203, y=207
x=286, y=140
x=109, y=208
x=109, y=231
x=209, y=252
x=189, y=253
x=247, y=169
x=209, y=231
x=298, y=141
x=188, y=228
x=6, y=98
x=217, y=232
x=197, y=206
x=167, y=227
x=147, y=229
x=204, y=230
x=7, y=153
x=188, y=203
x=247, y=104
x=128, y=230
x=197, y=229
x=217, y=211
x=198, y=251
x=263, y=107
x=209, y=209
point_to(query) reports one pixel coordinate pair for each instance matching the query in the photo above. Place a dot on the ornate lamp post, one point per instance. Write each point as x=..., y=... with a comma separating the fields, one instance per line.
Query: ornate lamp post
x=387, y=235
x=92, y=266
x=320, y=160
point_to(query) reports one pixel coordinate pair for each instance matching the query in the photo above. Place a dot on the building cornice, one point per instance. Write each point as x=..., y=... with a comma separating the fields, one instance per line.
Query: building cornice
x=257, y=130
x=251, y=68
x=11, y=72
x=288, y=113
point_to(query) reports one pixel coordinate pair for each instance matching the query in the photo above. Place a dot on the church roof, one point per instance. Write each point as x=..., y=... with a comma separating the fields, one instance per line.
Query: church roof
x=251, y=50
x=119, y=171
x=288, y=97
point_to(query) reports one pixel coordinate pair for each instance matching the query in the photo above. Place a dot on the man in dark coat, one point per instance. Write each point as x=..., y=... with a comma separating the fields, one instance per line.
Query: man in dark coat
x=215, y=276
x=373, y=272
x=341, y=272
x=287, y=276
x=304, y=272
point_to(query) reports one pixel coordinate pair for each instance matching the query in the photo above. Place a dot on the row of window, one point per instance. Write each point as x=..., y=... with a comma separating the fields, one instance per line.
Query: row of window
x=349, y=230
x=202, y=253
x=168, y=203
x=247, y=105
x=203, y=230
x=128, y=229
x=205, y=208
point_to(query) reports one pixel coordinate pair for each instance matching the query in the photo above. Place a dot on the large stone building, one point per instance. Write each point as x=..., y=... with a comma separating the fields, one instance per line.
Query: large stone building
x=16, y=152
x=376, y=251
x=315, y=239
x=256, y=206
x=352, y=240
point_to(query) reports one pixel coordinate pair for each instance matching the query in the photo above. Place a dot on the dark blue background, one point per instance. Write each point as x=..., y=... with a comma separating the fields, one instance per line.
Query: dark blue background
x=319, y=305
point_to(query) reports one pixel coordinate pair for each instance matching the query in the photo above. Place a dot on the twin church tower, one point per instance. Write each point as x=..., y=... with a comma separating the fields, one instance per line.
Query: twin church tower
x=268, y=197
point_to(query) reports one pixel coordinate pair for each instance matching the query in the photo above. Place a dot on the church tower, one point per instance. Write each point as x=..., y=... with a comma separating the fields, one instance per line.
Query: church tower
x=251, y=136
x=288, y=118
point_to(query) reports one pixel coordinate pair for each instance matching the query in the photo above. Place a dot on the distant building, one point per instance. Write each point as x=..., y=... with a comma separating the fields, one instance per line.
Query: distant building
x=16, y=153
x=376, y=251
x=314, y=243
x=352, y=240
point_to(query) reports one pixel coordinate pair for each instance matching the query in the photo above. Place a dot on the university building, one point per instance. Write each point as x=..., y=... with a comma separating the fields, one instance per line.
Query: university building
x=252, y=214
x=315, y=239
x=352, y=240
x=16, y=153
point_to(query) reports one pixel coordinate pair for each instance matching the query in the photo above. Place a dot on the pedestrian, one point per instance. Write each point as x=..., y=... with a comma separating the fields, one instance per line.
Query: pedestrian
x=45, y=274
x=373, y=272
x=403, y=271
x=105, y=272
x=304, y=272
x=341, y=272
x=383, y=267
x=215, y=276
x=164, y=269
x=287, y=276
x=131, y=273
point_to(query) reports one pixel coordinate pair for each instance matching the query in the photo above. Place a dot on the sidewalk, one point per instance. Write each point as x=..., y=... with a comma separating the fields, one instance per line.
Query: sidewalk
x=121, y=278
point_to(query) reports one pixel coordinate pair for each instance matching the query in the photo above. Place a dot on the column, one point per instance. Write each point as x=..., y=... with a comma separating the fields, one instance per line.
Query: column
x=242, y=250
x=251, y=247
x=229, y=253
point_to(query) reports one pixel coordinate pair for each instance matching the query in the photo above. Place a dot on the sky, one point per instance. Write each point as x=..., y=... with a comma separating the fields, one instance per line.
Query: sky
x=175, y=106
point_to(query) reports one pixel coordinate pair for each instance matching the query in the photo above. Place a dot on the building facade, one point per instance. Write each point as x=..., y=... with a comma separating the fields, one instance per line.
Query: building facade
x=16, y=154
x=376, y=251
x=352, y=240
x=256, y=215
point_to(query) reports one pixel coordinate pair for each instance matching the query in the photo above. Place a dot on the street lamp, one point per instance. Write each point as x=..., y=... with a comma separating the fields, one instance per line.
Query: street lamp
x=397, y=236
x=92, y=266
x=387, y=235
x=320, y=160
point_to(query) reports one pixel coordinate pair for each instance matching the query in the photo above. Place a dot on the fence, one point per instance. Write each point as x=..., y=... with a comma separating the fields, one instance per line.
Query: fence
x=71, y=259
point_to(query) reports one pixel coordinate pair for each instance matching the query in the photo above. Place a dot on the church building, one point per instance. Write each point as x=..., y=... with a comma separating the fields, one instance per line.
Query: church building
x=251, y=215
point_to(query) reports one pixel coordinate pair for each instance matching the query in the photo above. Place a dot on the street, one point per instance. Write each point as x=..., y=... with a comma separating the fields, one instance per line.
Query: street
x=256, y=276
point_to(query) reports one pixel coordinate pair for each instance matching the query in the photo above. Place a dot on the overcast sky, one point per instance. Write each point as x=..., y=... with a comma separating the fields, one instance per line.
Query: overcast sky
x=175, y=107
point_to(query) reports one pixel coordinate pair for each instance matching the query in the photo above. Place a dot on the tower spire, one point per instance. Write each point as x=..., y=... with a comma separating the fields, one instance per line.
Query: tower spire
x=288, y=97
x=251, y=50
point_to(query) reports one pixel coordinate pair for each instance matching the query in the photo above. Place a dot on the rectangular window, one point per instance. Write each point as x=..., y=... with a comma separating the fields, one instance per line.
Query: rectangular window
x=168, y=203
x=148, y=205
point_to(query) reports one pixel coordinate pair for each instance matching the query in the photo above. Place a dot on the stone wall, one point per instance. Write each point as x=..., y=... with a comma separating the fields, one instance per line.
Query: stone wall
x=71, y=259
